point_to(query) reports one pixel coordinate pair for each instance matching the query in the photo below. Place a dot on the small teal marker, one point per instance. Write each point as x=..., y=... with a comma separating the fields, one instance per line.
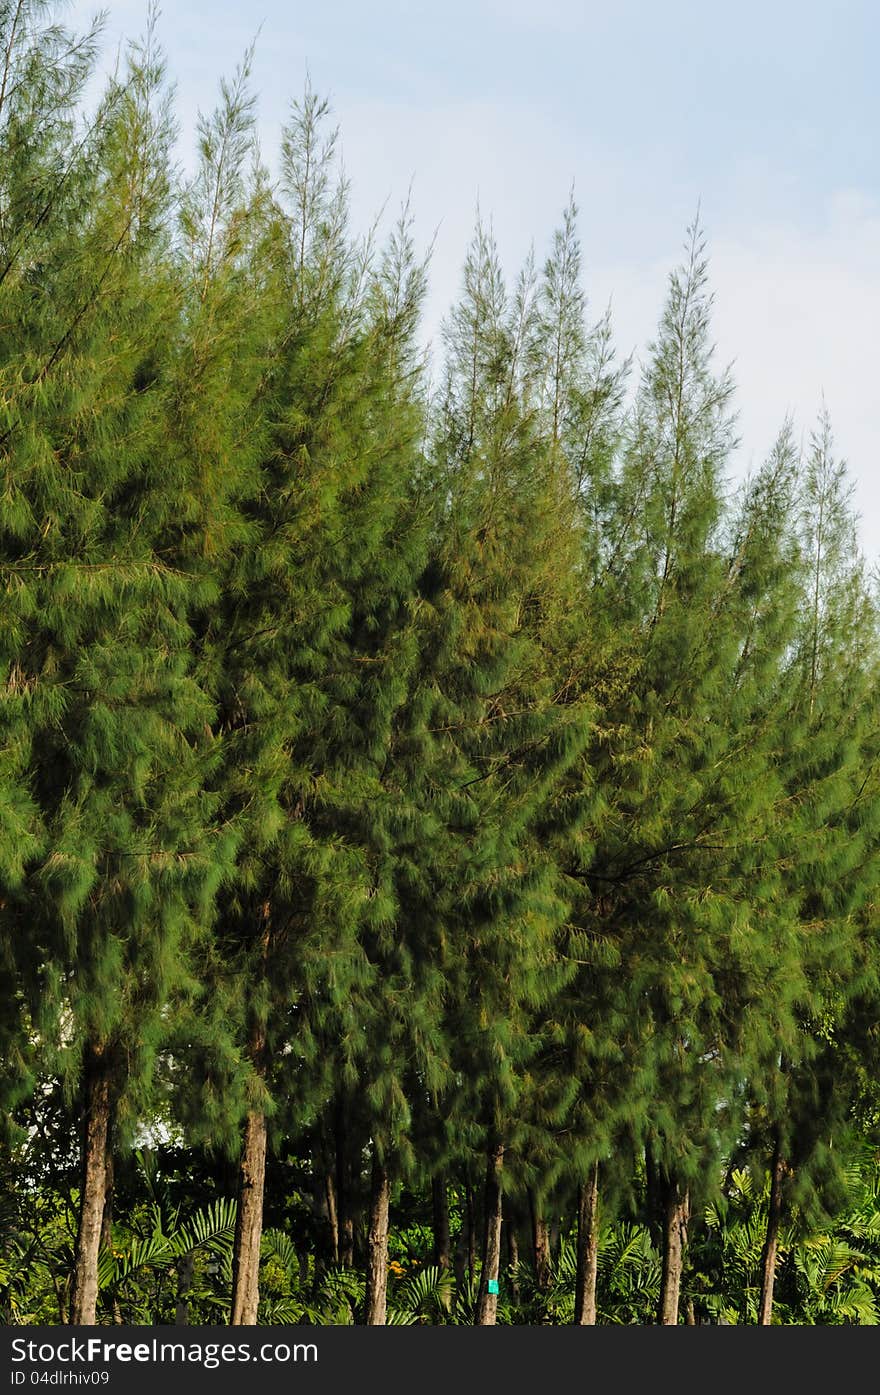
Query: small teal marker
x=492, y=1285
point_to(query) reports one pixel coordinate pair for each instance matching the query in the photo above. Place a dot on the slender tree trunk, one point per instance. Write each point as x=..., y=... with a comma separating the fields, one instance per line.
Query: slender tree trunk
x=377, y=1246
x=460, y=1251
x=344, y=1216
x=440, y=1209
x=540, y=1243
x=346, y=1240
x=771, y=1241
x=107, y=1214
x=325, y=1251
x=107, y=1218
x=487, y=1302
x=93, y=1185
x=587, y=1251
x=332, y=1214
x=249, y=1223
x=185, y=1270
x=471, y=1231
x=251, y=1175
x=512, y=1257
x=674, y=1246
x=653, y=1199
x=459, y=1259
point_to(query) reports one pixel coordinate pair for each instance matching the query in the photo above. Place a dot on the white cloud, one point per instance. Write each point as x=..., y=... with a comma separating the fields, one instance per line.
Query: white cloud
x=799, y=311
x=517, y=165
x=797, y=299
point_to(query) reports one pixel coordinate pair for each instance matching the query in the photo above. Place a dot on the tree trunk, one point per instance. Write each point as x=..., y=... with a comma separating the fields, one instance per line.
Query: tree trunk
x=344, y=1216
x=249, y=1223
x=587, y=1251
x=332, y=1213
x=512, y=1251
x=674, y=1246
x=440, y=1208
x=107, y=1218
x=107, y=1213
x=540, y=1243
x=487, y=1302
x=93, y=1186
x=326, y=1240
x=459, y=1261
x=346, y=1241
x=377, y=1246
x=185, y=1268
x=653, y=1199
x=771, y=1242
x=471, y=1231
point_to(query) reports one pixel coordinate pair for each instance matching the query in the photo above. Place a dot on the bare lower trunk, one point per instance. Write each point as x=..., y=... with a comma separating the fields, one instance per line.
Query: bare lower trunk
x=554, y=1233
x=107, y=1218
x=332, y=1216
x=587, y=1251
x=771, y=1241
x=377, y=1246
x=653, y=1198
x=326, y=1243
x=487, y=1302
x=440, y=1209
x=346, y=1241
x=512, y=1252
x=93, y=1187
x=107, y=1214
x=459, y=1259
x=62, y=1296
x=471, y=1227
x=344, y=1217
x=185, y=1269
x=540, y=1243
x=249, y=1223
x=674, y=1246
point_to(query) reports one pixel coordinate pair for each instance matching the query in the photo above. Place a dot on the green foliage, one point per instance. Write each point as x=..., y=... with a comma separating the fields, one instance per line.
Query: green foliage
x=422, y=766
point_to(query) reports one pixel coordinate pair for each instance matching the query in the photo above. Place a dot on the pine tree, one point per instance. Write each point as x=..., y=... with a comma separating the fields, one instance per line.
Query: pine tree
x=827, y=844
x=506, y=556
x=44, y=70
x=116, y=719
x=582, y=408
x=679, y=778
x=248, y=638
x=309, y=664
x=387, y=801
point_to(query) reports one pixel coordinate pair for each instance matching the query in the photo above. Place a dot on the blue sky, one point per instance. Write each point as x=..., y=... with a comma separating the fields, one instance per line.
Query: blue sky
x=767, y=113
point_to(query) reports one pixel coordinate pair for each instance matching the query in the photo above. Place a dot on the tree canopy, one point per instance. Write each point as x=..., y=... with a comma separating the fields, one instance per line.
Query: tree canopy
x=439, y=813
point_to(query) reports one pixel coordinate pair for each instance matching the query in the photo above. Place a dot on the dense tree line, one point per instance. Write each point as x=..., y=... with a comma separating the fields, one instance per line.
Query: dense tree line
x=439, y=813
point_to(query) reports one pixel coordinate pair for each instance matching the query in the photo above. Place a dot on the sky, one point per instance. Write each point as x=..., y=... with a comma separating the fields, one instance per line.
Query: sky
x=766, y=115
